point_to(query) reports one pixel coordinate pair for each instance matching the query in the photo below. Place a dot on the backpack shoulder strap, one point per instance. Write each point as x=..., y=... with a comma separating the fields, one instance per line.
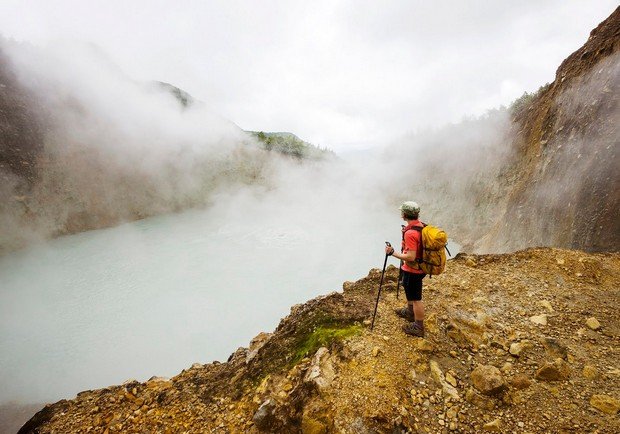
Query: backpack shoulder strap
x=416, y=228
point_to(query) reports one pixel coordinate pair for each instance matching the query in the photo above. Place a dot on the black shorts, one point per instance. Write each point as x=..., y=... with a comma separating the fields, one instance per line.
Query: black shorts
x=412, y=282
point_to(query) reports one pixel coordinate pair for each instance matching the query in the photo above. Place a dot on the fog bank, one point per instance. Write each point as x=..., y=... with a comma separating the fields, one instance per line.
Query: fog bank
x=115, y=150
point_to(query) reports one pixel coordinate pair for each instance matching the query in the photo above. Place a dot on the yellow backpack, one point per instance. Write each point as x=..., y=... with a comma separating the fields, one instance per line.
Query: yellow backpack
x=434, y=242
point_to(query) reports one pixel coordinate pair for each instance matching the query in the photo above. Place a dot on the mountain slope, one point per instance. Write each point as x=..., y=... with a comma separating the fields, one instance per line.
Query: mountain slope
x=567, y=191
x=21, y=132
x=543, y=172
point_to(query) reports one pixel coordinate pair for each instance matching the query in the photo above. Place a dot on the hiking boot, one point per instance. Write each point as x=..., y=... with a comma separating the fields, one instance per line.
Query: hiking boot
x=414, y=330
x=404, y=312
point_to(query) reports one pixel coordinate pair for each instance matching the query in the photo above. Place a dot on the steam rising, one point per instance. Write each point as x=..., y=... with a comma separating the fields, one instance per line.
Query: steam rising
x=455, y=171
x=117, y=150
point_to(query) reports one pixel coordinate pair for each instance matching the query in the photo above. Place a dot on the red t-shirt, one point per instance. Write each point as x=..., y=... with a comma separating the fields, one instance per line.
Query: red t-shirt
x=412, y=242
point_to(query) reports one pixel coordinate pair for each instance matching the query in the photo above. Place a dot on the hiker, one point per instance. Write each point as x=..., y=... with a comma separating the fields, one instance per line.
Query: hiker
x=411, y=249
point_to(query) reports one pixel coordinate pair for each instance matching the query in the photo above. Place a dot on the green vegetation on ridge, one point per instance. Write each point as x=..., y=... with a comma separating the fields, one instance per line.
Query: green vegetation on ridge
x=291, y=145
x=526, y=99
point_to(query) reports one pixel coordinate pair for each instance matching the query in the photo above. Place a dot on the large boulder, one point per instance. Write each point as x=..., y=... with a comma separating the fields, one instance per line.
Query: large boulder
x=322, y=371
x=558, y=370
x=488, y=380
x=265, y=417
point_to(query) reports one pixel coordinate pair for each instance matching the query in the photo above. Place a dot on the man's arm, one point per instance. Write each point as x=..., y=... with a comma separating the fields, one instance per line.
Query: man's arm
x=411, y=247
x=407, y=256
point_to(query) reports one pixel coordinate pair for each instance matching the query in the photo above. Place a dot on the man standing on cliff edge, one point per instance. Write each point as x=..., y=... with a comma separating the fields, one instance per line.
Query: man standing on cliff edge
x=411, y=248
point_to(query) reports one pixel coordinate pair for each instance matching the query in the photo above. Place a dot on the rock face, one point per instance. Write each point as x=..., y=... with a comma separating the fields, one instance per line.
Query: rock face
x=21, y=129
x=264, y=418
x=566, y=162
x=323, y=371
x=550, y=162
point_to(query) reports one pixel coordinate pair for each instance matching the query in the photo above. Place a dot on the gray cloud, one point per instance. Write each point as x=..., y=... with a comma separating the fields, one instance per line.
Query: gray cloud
x=340, y=74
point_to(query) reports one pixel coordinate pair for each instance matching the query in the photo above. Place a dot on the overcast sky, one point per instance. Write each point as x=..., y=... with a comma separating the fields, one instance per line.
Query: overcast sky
x=341, y=74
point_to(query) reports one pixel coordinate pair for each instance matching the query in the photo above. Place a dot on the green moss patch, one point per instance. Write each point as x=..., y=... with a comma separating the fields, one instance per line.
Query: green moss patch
x=323, y=336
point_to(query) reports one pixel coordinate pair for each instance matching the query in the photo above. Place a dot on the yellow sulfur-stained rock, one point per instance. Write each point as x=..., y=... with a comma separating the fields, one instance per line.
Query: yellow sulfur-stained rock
x=593, y=323
x=425, y=346
x=539, y=319
x=312, y=426
x=606, y=404
x=590, y=372
x=493, y=426
x=451, y=380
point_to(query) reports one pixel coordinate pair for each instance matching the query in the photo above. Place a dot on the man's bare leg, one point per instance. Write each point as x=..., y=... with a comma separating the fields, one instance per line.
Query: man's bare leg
x=418, y=310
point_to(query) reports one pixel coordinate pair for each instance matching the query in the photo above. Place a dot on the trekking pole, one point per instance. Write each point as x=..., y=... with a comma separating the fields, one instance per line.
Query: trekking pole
x=400, y=275
x=380, y=285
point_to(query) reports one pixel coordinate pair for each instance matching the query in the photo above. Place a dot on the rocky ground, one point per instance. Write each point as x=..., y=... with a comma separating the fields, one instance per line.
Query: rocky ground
x=518, y=343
